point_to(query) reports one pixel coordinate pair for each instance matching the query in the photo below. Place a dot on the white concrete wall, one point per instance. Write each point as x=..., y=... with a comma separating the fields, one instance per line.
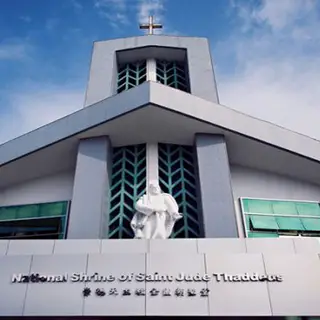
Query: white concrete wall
x=295, y=260
x=258, y=184
x=103, y=68
x=47, y=189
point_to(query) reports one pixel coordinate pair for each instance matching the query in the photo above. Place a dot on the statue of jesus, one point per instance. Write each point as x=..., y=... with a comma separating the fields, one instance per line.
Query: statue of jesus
x=156, y=214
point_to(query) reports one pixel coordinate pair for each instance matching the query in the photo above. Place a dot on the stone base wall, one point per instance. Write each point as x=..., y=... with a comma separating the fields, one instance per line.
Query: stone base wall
x=217, y=277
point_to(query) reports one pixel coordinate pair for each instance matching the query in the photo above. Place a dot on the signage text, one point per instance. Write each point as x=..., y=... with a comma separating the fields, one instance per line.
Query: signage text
x=142, y=277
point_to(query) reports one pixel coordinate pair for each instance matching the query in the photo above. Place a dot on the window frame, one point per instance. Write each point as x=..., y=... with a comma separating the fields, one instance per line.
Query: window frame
x=125, y=66
x=283, y=234
x=62, y=217
x=183, y=65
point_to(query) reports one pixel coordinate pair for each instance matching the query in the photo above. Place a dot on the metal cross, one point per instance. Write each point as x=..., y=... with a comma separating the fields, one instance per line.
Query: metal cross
x=150, y=25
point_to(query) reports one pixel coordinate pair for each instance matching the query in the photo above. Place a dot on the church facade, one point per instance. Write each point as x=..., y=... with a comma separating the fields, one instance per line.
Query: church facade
x=248, y=192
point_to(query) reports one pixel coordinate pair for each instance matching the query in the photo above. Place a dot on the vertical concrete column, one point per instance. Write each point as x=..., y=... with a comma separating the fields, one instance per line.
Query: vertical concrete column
x=152, y=163
x=151, y=70
x=88, y=217
x=219, y=216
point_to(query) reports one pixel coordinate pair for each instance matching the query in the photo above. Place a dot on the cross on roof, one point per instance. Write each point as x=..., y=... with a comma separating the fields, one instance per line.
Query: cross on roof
x=150, y=25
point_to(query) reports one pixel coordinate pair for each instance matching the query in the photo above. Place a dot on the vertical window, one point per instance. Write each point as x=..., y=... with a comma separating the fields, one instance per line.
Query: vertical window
x=35, y=221
x=131, y=75
x=177, y=177
x=172, y=74
x=274, y=218
x=128, y=184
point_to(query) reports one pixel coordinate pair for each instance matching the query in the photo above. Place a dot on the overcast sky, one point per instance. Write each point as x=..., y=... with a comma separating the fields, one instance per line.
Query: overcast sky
x=266, y=54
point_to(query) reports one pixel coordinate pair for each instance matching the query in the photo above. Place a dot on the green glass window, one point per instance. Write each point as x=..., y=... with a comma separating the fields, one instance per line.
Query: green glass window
x=131, y=75
x=34, y=221
x=264, y=222
x=311, y=224
x=172, y=74
x=283, y=207
x=310, y=209
x=271, y=218
x=289, y=223
x=26, y=212
x=259, y=206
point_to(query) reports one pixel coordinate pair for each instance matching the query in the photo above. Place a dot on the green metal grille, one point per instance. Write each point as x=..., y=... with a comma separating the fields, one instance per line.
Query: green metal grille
x=177, y=177
x=131, y=75
x=172, y=74
x=128, y=184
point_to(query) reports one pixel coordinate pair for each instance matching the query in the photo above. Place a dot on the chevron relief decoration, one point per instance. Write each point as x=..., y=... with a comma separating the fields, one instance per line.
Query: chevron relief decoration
x=131, y=75
x=177, y=177
x=128, y=184
x=172, y=74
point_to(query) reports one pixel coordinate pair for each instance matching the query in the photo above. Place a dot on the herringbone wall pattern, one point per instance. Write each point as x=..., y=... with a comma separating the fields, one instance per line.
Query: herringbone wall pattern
x=128, y=184
x=172, y=74
x=177, y=177
x=131, y=75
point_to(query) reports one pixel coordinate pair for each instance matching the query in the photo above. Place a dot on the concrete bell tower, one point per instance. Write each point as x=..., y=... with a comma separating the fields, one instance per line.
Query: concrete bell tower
x=187, y=163
x=120, y=64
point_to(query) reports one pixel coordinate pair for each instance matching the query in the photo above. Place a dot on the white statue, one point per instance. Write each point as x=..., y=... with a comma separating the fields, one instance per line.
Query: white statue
x=156, y=214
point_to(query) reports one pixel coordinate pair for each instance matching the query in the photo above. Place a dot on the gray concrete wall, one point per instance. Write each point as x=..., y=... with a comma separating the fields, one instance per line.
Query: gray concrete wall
x=215, y=191
x=297, y=295
x=88, y=213
x=103, y=67
x=47, y=189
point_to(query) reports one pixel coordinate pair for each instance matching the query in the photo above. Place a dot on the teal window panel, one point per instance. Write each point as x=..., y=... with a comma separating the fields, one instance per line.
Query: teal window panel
x=177, y=177
x=263, y=235
x=290, y=223
x=311, y=224
x=259, y=206
x=310, y=209
x=284, y=208
x=28, y=211
x=33, y=211
x=264, y=222
x=8, y=213
x=52, y=209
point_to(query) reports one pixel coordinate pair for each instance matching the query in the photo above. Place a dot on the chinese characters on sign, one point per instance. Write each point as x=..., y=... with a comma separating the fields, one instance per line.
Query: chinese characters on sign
x=178, y=292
